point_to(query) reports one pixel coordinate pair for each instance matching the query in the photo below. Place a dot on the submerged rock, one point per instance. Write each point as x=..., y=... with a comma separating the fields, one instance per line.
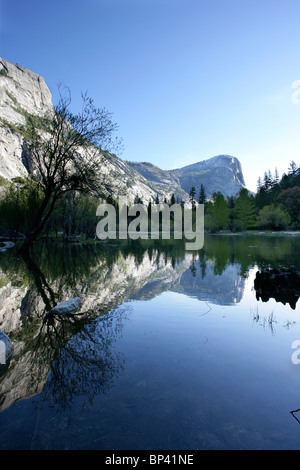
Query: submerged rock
x=66, y=307
x=283, y=285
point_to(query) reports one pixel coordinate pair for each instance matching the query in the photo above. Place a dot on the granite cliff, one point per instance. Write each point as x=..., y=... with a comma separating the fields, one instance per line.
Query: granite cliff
x=23, y=93
x=220, y=173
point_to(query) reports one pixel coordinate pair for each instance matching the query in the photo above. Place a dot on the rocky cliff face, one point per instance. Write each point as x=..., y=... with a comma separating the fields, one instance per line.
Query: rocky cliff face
x=221, y=173
x=19, y=88
x=164, y=182
x=23, y=92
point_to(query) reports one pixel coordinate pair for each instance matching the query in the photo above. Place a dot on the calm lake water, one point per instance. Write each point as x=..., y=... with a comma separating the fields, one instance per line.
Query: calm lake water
x=171, y=350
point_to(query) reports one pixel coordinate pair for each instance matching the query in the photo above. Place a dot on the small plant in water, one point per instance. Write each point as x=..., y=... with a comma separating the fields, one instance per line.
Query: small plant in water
x=289, y=323
x=271, y=321
x=265, y=321
x=255, y=315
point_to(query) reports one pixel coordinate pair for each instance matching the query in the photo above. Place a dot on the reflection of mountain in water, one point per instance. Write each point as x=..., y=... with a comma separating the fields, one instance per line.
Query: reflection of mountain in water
x=34, y=280
x=224, y=289
x=193, y=277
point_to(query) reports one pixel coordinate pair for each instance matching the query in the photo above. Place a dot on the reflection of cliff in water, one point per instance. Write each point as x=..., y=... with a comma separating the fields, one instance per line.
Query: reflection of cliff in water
x=192, y=279
x=224, y=289
x=53, y=354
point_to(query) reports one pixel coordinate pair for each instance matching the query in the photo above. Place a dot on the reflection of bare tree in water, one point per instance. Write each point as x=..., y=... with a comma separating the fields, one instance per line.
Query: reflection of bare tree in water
x=66, y=357
x=73, y=355
x=48, y=296
x=77, y=350
x=88, y=364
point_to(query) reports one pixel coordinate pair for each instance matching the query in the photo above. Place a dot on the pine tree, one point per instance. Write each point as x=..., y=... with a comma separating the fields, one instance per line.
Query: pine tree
x=244, y=210
x=293, y=169
x=271, y=181
x=192, y=195
x=259, y=184
x=217, y=215
x=202, y=195
x=267, y=181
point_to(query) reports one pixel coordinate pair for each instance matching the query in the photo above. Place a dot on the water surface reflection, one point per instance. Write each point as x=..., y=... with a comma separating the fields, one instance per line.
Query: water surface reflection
x=135, y=302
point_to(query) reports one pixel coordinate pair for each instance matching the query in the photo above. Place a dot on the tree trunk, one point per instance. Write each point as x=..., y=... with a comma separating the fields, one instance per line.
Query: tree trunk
x=41, y=217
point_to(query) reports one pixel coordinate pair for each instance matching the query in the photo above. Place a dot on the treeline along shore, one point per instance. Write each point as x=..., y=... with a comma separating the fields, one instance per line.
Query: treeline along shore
x=275, y=206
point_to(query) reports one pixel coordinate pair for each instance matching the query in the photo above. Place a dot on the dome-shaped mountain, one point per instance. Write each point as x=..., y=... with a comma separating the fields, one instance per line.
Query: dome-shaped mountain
x=221, y=173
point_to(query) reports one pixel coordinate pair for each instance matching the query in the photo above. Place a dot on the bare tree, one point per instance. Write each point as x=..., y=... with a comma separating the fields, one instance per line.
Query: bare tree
x=65, y=152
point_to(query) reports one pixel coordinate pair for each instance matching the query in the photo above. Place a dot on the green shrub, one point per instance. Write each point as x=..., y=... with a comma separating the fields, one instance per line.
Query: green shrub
x=4, y=182
x=273, y=217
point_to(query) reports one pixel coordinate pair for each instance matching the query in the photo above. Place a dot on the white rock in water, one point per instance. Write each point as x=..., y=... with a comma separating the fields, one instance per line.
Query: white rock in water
x=68, y=306
x=6, y=348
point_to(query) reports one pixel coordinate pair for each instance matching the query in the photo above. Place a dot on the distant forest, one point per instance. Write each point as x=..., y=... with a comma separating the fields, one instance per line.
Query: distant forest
x=274, y=206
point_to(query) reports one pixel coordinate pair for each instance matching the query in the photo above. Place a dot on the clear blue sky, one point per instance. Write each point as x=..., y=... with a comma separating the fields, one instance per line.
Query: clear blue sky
x=184, y=79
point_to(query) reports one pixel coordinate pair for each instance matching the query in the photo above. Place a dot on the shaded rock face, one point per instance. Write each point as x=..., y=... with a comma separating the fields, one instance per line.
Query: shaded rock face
x=282, y=285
